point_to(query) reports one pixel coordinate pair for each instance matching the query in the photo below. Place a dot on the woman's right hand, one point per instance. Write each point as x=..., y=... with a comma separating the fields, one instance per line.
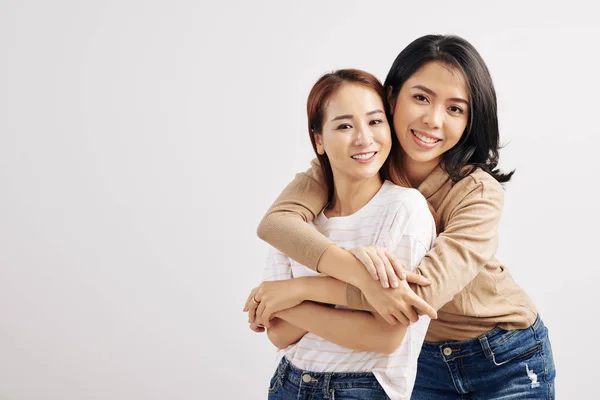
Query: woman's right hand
x=383, y=266
x=397, y=304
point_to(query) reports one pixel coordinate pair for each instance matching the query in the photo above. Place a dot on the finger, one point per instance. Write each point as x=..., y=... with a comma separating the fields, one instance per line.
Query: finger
x=364, y=258
x=410, y=313
x=401, y=318
x=259, y=312
x=389, y=270
x=420, y=280
x=252, y=309
x=380, y=267
x=266, y=317
x=258, y=294
x=257, y=328
x=252, y=312
x=249, y=300
x=422, y=305
x=389, y=318
x=398, y=267
x=247, y=305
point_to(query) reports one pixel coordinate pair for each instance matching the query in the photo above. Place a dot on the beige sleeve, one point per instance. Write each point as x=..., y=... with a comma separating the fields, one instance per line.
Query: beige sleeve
x=285, y=227
x=460, y=252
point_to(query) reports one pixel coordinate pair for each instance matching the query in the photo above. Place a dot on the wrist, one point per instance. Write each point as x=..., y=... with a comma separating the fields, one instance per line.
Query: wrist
x=342, y=265
x=302, y=291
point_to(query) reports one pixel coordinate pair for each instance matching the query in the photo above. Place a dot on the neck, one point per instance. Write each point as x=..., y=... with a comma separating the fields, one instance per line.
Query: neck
x=418, y=171
x=350, y=196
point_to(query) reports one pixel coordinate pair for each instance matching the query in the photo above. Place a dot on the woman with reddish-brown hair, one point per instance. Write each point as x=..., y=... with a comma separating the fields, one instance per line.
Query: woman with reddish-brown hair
x=326, y=352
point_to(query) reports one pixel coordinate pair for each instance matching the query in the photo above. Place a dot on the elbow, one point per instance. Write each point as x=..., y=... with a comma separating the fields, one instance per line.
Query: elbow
x=263, y=230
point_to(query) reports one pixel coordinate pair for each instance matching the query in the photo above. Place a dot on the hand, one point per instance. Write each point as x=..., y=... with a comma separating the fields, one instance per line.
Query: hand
x=257, y=328
x=381, y=264
x=397, y=305
x=273, y=296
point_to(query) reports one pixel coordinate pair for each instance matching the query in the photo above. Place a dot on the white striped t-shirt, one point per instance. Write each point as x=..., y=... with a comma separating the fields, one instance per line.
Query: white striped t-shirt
x=398, y=219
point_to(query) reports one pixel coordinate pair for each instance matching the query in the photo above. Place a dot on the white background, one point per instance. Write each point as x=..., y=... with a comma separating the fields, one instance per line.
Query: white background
x=142, y=141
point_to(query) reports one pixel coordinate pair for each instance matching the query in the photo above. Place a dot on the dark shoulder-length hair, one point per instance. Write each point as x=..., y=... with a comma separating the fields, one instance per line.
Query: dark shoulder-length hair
x=479, y=144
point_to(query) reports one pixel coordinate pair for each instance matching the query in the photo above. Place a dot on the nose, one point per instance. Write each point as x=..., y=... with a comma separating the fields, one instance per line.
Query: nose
x=364, y=136
x=434, y=116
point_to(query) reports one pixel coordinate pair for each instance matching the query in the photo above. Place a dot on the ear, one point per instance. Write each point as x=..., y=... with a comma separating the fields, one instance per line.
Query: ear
x=391, y=99
x=319, y=142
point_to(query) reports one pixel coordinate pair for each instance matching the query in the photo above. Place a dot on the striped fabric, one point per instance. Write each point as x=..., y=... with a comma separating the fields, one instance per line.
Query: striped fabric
x=395, y=218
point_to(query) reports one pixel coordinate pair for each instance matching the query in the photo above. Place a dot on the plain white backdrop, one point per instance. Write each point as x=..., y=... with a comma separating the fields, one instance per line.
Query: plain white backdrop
x=142, y=141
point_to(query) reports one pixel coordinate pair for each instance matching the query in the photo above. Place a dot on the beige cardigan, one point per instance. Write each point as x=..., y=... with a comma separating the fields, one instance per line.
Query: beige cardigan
x=472, y=291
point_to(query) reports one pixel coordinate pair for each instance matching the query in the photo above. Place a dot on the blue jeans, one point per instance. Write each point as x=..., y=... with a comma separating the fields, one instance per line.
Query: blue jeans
x=498, y=365
x=291, y=383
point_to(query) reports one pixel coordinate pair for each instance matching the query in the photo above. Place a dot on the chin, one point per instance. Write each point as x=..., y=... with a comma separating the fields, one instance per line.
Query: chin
x=422, y=157
x=368, y=174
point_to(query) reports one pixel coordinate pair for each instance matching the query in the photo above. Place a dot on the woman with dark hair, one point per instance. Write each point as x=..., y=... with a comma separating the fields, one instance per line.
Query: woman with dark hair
x=325, y=352
x=488, y=341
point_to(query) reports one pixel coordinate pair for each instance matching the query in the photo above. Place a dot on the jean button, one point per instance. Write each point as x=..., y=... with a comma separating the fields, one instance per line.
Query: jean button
x=447, y=351
x=306, y=378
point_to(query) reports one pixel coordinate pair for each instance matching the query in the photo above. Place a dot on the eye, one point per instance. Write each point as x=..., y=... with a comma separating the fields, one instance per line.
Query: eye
x=455, y=110
x=344, y=126
x=420, y=98
x=376, y=122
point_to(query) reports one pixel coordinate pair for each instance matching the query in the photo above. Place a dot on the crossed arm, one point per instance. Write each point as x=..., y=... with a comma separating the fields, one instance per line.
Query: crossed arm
x=357, y=330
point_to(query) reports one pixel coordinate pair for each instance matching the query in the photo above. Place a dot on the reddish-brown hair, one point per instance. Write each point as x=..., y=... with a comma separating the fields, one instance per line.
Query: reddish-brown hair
x=319, y=97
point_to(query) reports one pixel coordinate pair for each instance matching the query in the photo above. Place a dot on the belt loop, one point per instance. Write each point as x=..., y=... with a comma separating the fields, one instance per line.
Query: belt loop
x=284, y=367
x=536, y=324
x=485, y=345
x=326, y=382
x=487, y=350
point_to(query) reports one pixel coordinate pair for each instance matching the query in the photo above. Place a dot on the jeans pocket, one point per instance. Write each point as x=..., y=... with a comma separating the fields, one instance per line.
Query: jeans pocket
x=518, y=345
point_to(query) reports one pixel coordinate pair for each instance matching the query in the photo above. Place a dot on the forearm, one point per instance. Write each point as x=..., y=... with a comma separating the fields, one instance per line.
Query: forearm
x=323, y=289
x=358, y=330
x=282, y=333
x=342, y=265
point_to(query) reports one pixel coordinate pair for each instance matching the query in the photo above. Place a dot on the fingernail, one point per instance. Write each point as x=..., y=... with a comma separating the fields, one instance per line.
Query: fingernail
x=395, y=284
x=386, y=285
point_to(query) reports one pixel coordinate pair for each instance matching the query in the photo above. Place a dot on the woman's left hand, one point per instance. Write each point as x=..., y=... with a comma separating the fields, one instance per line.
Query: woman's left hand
x=272, y=296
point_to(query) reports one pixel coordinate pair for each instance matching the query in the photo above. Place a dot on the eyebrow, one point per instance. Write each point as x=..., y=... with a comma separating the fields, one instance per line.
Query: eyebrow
x=349, y=116
x=432, y=93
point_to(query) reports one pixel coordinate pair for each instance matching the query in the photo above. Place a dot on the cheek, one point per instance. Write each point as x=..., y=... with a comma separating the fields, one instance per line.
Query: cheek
x=333, y=145
x=456, y=131
x=403, y=118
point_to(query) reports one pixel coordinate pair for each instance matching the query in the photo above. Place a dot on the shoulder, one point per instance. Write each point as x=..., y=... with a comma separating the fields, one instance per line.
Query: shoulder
x=408, y=207
x=409, y=215
x=399, y=197
x=478, y=184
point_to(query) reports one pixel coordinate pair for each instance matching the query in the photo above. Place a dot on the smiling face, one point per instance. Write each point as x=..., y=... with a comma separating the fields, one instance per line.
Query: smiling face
x=430, y=115
x=355, y=135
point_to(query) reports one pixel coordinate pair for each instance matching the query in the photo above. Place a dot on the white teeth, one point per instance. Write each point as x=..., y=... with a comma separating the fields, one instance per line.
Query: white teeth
x=364, y=156
x=425, y=139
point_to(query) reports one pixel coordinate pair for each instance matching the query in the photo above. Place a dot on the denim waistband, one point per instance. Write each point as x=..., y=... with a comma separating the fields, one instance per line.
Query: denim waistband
x=454, y=349
x=325, y=380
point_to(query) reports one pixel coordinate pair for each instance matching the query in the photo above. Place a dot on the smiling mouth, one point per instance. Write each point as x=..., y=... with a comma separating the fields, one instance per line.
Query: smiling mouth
x=425, y=139
x=364, y=156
